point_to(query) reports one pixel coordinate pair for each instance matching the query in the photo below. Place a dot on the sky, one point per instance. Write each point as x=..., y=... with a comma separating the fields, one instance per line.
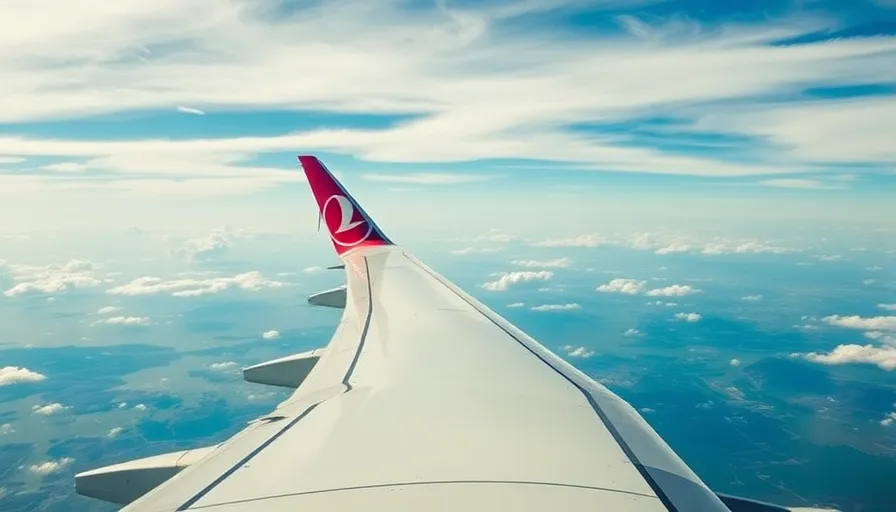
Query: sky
x=707, y=185
x=694, y=112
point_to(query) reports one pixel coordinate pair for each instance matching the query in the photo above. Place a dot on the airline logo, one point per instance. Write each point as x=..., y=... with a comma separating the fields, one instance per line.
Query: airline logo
x=345, y=223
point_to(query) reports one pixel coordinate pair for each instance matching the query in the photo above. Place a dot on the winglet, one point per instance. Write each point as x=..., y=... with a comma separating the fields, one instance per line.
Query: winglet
x=349, y=226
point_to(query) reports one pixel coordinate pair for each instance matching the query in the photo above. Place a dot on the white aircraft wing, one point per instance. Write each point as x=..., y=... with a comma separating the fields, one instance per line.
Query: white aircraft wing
x=424, y=399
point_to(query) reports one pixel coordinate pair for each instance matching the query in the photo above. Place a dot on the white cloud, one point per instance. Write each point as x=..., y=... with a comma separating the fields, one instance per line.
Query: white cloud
x=621, y=285
x=114, y=432
x=270, y=335
x=14, y=374
x=802, y=183
x=573, y=351
x=557, y=307
x=226, y=365
x=313, y=270
x=454, y=65
x=124, y=320
x=202, y=248
x=508, y=279
x=51, y=466
x=735, y=362
x=516, y=305
x=7, y=428
x=108, y=309
x=140, y=407
x=52, y=278
x=889, y=419
x=883, y=357
x=887, y=307
x=48, y=409
x=631, y=333
x=190, y=110
x=589, y=240
x=877, y=323
x=554, y=263
x=475, y=250
x=884, y=338
x=676, y=290
x=751, y=298
x=688, y=317
x=66, y=167
x=428, y=178
x=829, y=257
x=250, y=281
x=11, y=159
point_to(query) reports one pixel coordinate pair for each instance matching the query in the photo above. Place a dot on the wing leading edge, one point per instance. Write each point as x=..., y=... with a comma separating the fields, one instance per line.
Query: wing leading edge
x=426, y=399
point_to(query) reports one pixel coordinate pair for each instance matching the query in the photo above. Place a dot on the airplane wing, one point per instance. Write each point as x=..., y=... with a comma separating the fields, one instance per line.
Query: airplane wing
x=424, y=399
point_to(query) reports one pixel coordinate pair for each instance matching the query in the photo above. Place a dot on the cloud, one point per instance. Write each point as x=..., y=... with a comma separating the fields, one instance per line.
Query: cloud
x=203, y=248
x=48, y=409
x=554, y=263
x=227, y=365
x=66, y=167
x=114, y=432
x=557, y=307
x=475, y=250
x=108, y=309
x=889, y=419
x=516, y=305
x=881, y=337
x=51, y=466
x=15, y=374
x=429, y=178
x=270, y=335
x=676, y=290
x=751, y=298
x=882, y=357
x=573, y=351
x=802, y=183
x=877, y=323
x=52, y=278
x=508, y=279
x=313, y=270
x=11, y=160
x=887, y=307
x=124, y=320
x=7, y=428
x=622, y=285
x=249, y=281
x=631, y=333
x=190, y=110
x=140, y=407
x=588, y=240
x=735, y=362
x=688, y=317
x=829, y=257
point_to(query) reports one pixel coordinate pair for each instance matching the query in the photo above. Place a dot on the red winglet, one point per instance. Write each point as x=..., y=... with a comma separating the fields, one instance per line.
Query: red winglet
x=349, y=226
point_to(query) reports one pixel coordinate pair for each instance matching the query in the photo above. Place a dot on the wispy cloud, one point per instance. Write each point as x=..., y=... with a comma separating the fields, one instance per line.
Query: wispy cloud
x=190, y=110
x=429, y=178
x=249, y=281
x=553, y=263
x=270, y=335
x=124, y=320
x=475, y=250
x=51, y=466
x=572, y=306
x=688, y=317
x=574, y=351
x=48, y=409
x=802, y=183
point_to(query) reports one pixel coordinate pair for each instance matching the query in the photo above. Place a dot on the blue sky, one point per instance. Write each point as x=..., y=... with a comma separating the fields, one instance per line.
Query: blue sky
x=642, y=104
